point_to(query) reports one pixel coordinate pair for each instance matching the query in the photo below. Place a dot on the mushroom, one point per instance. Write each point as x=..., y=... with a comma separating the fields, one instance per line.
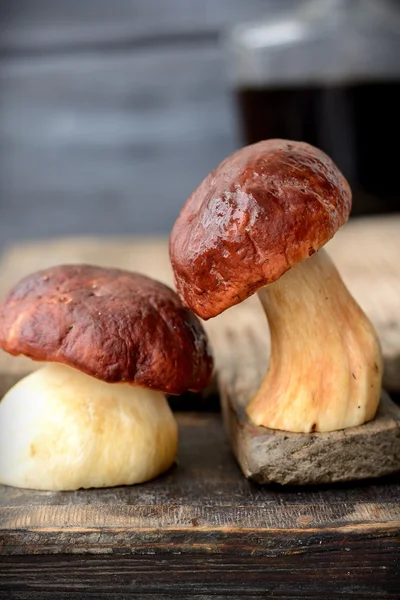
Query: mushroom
x=96, y=415
x=257, y=223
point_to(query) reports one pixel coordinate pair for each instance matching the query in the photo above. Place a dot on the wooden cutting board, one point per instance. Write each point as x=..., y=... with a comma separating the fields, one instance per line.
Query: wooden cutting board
x=366, y=251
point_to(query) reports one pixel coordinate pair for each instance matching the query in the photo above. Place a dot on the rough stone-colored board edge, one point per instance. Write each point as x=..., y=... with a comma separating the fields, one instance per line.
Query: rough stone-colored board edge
x=266, y=456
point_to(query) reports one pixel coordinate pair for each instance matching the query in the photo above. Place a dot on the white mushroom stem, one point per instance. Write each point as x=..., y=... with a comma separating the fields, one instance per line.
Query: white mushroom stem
x=63, y=430
x=325, y=369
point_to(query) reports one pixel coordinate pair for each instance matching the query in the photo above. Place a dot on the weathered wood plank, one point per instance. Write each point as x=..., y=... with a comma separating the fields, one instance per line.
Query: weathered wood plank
x=327, y=568
x=52, y=25
x=203, y=505
x=269, y=456
x=109, y=144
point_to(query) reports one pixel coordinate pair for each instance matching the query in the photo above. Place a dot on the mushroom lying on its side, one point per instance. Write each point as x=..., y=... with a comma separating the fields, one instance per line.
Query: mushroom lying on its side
x=96, y=415
x=257, y=223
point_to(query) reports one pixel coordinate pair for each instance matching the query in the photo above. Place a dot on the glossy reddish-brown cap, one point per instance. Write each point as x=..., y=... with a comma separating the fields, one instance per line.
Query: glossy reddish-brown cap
x=114, y=325
x=265, y=208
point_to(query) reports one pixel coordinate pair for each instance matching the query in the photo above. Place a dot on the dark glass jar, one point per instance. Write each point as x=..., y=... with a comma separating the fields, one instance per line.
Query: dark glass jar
x=327, y=73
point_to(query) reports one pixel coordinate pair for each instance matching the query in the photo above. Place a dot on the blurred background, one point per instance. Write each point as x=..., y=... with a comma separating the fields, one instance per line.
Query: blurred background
x=112, y=112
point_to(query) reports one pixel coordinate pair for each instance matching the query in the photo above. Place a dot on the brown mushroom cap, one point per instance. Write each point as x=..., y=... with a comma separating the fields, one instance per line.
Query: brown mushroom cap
x=265, y=208
x=114, y=325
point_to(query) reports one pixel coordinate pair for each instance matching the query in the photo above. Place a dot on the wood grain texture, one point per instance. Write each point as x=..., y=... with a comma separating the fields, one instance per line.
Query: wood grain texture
x=327, y=569
x=205, y=496
x=202, y=529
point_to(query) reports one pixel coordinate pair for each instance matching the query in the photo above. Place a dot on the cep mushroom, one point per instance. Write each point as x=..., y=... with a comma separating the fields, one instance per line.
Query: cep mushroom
x=96, y=415
x=257, y=223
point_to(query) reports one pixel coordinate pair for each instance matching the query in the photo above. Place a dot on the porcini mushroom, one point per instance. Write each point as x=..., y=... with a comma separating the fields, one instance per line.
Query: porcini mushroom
x=257, y=223
x=96, y=415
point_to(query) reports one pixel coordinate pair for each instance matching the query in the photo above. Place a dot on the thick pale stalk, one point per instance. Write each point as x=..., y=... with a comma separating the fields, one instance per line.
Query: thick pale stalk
x=63, y=430
x=325, y=370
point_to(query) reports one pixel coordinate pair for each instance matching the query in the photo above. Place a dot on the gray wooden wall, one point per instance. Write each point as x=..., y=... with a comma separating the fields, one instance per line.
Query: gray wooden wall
x=111, y=112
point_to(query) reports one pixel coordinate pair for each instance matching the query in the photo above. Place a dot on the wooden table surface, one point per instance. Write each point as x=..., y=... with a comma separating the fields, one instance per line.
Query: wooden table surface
x=203, y=530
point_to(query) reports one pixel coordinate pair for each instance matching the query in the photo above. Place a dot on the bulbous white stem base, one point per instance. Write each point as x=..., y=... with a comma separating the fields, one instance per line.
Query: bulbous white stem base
x=63, y=430
x=325, y=371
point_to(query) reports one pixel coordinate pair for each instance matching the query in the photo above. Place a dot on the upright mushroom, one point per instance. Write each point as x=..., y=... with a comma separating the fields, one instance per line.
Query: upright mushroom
x=96, y=415
x=257, y=223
